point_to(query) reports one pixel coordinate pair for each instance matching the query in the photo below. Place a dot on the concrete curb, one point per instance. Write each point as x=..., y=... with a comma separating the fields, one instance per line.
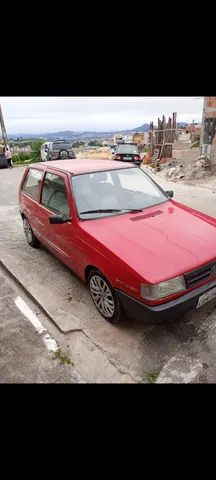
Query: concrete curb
x=32, y=297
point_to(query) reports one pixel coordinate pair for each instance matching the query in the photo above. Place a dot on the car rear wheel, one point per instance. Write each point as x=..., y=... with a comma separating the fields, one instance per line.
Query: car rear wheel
x=30, y=237
x=104, y=297
x=63, y=154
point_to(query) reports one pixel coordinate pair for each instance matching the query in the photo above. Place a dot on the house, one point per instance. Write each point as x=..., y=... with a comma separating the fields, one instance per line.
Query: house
x=141, y=138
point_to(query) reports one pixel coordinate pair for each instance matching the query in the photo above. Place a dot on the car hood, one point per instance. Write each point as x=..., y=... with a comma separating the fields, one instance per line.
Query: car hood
x=161, y=242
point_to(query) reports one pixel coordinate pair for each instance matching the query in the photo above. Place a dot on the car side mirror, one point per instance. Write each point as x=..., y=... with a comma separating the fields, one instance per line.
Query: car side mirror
x=58, y=220
x=170, y=193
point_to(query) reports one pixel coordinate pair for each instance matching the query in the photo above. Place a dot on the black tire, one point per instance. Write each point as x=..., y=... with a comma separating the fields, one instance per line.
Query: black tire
x=112, y=303
x=29, y=235
x=63, y=154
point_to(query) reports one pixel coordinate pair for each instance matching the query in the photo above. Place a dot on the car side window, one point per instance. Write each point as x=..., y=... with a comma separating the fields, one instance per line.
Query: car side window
x=32, y=181
x=54, y=195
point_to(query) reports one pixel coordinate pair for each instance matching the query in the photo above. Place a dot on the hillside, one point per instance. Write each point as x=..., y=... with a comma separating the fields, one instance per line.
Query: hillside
x=73, y=136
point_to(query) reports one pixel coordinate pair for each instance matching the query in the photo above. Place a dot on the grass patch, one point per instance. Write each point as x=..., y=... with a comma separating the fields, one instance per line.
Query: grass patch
x=195, y=144
x=25, y=157
x=152, y=377
x=63, y=357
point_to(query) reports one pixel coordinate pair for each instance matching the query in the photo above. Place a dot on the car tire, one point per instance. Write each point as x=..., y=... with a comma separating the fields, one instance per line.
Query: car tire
x=63, y=154
x=29, y=235
x=104, y=298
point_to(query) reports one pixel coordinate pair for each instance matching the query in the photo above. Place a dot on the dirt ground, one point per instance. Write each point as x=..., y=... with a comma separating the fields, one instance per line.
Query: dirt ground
x=184, y=167
x=103, y=152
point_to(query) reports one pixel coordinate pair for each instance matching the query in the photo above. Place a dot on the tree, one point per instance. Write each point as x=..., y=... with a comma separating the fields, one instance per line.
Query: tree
x=95, y=143
x=36, y=146
x=78, y=144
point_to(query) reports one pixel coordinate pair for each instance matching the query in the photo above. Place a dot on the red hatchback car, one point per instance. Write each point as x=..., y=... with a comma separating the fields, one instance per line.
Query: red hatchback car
x=140, y=252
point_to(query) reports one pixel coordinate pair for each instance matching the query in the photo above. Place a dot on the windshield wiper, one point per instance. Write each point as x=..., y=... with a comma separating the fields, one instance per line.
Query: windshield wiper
x=104, y=210
x=112, y=210
x=133, y=210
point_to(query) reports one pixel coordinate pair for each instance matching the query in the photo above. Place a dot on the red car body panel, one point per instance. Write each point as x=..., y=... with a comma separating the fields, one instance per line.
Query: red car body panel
x=152, y=246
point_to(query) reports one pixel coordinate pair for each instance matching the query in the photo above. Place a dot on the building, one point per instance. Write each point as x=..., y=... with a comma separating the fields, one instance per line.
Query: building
x=118, y=138
x=128, y=138
x=195, y=131
x=208, y=133
x=141, y=138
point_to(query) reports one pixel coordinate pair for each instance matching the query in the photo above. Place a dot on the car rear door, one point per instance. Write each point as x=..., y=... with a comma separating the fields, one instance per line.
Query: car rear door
x=30, y=196
x=55, y=200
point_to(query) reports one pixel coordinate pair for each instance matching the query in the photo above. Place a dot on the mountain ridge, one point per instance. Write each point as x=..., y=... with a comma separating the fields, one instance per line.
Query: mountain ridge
x=71, y=135
x=83, y=135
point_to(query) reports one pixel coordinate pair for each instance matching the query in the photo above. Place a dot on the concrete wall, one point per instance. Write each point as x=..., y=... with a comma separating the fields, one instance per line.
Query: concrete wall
x=209, y=111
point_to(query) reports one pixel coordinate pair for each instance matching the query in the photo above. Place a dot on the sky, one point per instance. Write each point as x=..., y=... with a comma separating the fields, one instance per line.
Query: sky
x=51, y=114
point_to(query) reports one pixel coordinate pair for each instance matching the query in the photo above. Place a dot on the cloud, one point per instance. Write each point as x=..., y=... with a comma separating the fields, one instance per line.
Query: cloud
x=43, y=114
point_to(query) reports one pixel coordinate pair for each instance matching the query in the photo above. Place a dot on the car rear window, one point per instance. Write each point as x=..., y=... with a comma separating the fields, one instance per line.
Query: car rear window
x=127, y=149
x=32, y=181
x=62, y=146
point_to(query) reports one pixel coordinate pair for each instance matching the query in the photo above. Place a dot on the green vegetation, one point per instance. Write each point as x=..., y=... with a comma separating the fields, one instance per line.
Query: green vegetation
x=94, y=143
x=28, y=157
x=62, y=357
x=195, y=144
x=23, y=157
x=152, y=377
x=78, y=144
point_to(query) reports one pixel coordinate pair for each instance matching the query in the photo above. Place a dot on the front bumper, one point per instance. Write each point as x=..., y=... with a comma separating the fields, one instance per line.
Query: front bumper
x=166, y=311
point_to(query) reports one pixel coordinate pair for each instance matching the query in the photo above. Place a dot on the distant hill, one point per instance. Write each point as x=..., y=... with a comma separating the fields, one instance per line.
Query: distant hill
x=182, y=124
x=142, y=128
x=87, y=135
x=73, y=136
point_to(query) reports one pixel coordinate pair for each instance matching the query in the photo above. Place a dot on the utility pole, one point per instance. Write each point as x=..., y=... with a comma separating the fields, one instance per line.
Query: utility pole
x=3, y=129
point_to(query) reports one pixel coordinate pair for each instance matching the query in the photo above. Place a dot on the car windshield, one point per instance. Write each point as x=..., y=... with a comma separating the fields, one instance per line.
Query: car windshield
x=62, y=146
x=114, y=192
x=127, y=149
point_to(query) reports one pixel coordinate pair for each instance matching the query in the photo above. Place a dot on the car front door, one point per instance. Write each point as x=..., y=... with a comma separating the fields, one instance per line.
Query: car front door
x=55, y=201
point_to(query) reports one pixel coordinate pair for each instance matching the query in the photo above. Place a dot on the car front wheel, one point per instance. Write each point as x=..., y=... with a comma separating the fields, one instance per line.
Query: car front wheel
x=104, y=298
x=30, y=237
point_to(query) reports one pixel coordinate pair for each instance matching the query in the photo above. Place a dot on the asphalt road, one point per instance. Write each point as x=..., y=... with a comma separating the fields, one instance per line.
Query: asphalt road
x=102, y=353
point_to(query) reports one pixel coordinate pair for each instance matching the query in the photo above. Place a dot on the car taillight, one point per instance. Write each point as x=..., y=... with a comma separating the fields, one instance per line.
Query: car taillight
x=117, y=157
x=137, y=157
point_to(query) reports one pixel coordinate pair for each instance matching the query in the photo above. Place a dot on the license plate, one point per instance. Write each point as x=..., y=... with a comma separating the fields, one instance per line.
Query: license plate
x=206, y=297
x=127, y=158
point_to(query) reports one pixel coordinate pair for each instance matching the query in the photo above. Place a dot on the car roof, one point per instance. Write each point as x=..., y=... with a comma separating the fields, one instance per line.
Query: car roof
x=80, y=166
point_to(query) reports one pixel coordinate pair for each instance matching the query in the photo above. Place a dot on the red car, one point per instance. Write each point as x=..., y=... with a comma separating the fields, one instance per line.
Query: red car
x=140, y=252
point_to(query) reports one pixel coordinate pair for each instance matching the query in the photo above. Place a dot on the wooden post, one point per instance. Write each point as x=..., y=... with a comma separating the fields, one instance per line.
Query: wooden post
x=3, y=129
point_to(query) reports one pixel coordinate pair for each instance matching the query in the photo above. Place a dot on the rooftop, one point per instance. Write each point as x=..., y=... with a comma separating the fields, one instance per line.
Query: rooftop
x=79, y=166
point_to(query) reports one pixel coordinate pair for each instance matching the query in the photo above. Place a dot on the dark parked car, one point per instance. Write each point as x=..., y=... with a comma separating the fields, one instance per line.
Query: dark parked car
x=3, y=160
x=128, y=152
x=58, y=150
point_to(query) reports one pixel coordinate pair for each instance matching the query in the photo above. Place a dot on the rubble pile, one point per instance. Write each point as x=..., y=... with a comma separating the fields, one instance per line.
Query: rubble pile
x=197, y=169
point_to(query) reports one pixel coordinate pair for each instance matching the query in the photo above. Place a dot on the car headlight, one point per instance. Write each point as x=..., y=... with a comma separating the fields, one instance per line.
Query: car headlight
x=163, y=289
